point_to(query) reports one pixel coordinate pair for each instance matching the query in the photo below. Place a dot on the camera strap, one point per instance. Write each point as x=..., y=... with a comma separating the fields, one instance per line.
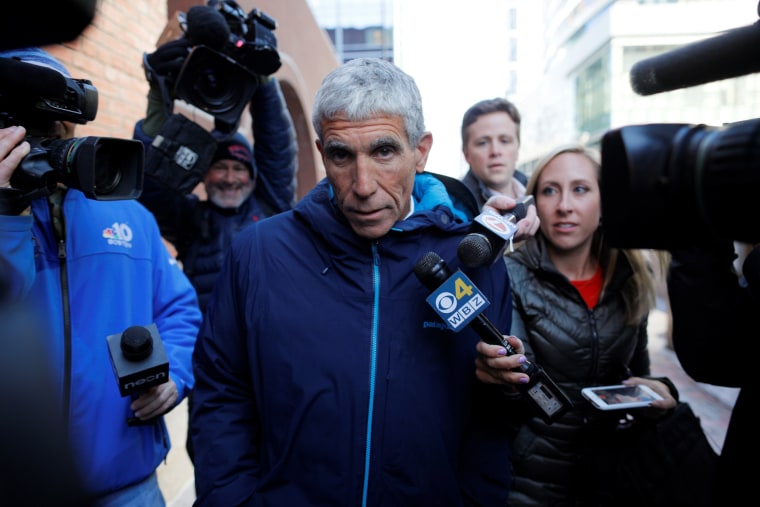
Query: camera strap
x=180, y=154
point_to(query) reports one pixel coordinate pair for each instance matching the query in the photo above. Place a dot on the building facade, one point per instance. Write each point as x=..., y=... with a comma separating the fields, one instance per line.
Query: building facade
x=589, y=49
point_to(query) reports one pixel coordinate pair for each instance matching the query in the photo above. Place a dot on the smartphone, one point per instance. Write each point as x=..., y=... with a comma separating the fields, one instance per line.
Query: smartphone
x=620, y=396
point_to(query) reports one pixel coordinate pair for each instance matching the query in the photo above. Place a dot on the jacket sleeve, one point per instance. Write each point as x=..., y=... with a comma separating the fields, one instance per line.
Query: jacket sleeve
x=176, y=314
x=275, y=149
x=224, y=422
x=485, y=469
x=640, y=363
x=713, y=316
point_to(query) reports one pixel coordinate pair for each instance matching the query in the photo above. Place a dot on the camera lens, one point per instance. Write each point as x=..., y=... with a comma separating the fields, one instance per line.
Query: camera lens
x=215, y=90
x=89, y=158
x=215, y=83
x=106, y=181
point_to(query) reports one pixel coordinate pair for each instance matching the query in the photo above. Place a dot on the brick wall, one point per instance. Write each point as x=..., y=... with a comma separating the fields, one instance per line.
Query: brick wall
x=109, y=53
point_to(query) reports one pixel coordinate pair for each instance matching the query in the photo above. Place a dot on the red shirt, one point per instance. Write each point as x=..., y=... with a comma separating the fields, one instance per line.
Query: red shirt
x=590, y=288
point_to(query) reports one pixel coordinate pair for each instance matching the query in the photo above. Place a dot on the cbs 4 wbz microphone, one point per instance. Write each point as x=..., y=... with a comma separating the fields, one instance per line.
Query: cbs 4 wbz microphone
x=139, y=362
x=460, y=303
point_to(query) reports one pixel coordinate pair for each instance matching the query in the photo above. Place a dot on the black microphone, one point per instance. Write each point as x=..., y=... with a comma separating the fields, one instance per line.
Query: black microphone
x=22, y=79
x=206, y=26
x=432, y=271
x=139, y=361
x=730, y=54
x=490, y=233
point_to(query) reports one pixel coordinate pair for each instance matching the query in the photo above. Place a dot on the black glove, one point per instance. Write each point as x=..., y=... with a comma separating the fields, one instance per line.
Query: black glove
x=162, y=68
x=166, y=61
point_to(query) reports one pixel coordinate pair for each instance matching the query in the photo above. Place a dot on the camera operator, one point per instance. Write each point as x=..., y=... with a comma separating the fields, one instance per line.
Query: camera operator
x=93, y=268
x=716, y=310
x=36, y=428
x=243, y=185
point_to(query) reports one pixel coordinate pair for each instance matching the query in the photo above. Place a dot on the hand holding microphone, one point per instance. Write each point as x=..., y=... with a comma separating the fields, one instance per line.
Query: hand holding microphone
x=153, y=403
x=491, y=232
x=141, y=369
x=460, y=304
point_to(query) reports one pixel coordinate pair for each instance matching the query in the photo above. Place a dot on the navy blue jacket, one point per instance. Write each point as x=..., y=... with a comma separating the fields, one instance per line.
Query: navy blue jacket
x=323, y=377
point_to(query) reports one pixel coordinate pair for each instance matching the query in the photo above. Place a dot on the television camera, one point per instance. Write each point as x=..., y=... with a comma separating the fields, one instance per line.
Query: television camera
x=34, y=97
x=217, y=62
x=670, y=186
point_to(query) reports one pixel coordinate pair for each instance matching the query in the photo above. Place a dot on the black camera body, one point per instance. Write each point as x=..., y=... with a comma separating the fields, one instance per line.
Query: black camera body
x=35, y=97
x=222, y=80
x=671, y=186
x=252, y=42
x=67, y=99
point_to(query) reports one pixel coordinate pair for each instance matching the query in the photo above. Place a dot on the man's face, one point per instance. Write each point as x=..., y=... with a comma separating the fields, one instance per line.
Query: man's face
x=371, y=167
x=491, y=150
x=228, y=183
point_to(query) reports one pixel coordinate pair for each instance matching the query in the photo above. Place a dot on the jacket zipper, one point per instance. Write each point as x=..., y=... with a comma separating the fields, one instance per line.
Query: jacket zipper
x=59, y=229
x=373, y=372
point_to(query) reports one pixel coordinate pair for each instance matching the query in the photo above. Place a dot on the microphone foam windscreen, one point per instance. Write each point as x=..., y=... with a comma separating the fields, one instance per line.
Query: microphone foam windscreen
x=207, y=26
x=474, y=250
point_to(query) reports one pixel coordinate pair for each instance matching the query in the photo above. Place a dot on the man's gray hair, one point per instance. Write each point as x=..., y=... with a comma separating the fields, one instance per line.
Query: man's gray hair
x=367, y=87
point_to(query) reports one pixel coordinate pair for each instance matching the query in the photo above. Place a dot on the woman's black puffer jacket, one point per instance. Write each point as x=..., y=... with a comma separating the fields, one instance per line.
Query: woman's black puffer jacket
x=577, y=347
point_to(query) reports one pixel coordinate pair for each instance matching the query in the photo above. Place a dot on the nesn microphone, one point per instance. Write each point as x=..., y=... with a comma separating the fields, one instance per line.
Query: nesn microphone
x=490, y=233
x=139, y=362
x=459, y=303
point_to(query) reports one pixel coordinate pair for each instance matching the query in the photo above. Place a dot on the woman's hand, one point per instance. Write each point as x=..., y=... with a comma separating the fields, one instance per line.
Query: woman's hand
x=494, y=366
x=657, y=408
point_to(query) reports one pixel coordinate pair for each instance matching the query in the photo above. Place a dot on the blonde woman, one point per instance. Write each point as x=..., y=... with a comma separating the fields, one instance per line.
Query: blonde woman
x=581, y=309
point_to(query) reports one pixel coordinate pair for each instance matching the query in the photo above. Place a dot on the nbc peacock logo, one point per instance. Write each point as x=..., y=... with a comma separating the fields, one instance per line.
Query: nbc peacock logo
x=118, y=235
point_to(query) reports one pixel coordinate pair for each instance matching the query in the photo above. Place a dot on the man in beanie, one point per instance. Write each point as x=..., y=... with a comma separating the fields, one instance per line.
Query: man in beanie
x=243, y=185
x=90, y=269
x=230, y=179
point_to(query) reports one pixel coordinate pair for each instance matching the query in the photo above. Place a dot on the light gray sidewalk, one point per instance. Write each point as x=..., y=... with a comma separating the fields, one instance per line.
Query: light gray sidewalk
x=175, y=476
